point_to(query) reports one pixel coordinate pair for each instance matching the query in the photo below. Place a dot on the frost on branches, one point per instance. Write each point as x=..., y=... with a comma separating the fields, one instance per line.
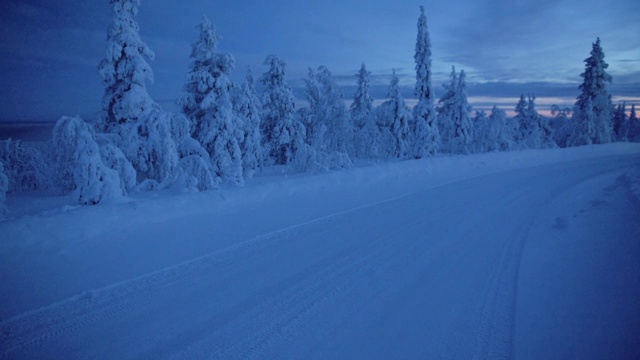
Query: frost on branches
x=208, y=106
x=594, y=102
x=327, y=122
x=532, y=132
x=426, y=136
x=626, y=128
x=453, y=116
x=283, y=135
x=247, y=107
x=399, y=115
x=561, y=125
x=149, y=145
x=4, y=188
x=124, y=70
x=24, y=167
x=362, y=104
x=633, y=125
x=78, y=165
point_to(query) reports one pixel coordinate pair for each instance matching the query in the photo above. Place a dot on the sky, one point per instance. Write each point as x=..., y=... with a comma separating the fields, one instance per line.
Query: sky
x=49, y=50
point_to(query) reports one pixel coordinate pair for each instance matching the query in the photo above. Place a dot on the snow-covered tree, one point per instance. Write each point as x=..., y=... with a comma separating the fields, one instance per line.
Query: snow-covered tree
x=399, y=116
x=362, y=104
x=141, y=129
x=480, y=132
x=626, y=127
x=194, y=167
x=200, y=78
x=499, y=136
x=426, y=136
x=4, y=188
x=247, y=107
x=115, y=159
x=368, y=140
x=584, y=127
x=454, y=121
x=207, y=104
x=315, y=128
x=446, y=108
x=283, y=135
x=124, y=70
x=329, y=127
x=633, y=125
x=532, y=132
x=149, y=145
x=561, y=125
x=24, y=166
x=78, y=166
x=620, y=123
x=594, y=102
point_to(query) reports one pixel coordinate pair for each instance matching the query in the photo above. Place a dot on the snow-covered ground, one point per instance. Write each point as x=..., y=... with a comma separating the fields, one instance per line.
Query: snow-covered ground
x=527, y=255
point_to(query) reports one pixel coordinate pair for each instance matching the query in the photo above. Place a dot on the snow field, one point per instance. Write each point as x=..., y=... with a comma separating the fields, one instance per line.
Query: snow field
x=454, y=257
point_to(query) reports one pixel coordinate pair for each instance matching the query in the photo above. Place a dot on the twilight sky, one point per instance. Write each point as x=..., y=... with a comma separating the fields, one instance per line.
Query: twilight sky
x=50, y=49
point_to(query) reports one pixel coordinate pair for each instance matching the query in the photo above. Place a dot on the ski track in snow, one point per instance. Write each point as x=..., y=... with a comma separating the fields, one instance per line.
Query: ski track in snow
x=425, y=275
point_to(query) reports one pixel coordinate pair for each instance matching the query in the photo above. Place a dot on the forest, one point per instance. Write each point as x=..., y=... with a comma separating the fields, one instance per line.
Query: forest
x=225, y=133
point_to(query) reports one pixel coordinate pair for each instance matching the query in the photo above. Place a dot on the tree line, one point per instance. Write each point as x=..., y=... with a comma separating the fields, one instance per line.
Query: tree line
x=225, y=132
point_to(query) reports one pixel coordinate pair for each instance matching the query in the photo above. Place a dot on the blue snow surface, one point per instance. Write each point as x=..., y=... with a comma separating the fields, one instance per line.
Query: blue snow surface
x=525, y=255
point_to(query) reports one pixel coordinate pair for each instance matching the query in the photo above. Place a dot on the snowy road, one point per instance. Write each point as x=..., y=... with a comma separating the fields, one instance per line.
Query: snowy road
x=433, y=274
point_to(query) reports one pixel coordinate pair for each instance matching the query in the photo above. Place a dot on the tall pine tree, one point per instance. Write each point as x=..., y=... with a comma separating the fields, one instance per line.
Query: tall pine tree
x=283, y=135
x=453, y=117
x=125, y=70
x=594, y=102
x=247, y=107
x=399, y=114
x=207, y=104
x=633, y=125
x=620, y=129
x=425, y=135
x=362, y=104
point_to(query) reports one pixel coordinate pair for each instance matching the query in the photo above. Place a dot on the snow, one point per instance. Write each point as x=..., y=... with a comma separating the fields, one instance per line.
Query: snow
x=527, y=254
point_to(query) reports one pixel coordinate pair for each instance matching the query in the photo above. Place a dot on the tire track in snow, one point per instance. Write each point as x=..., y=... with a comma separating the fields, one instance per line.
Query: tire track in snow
x=299, y=303
x=274, y=322
x=495, y=337
x=35, y=329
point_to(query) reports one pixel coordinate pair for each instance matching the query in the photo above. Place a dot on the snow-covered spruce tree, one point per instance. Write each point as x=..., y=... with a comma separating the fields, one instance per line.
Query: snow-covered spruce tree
x=530, y=134
x=78, y=166
x=424, y=127
x=115, y=159
x=201, y=78
x=124, y=70
x=620, y=123
x=24, y=166
x=594, y=102
x=362, y=104
x=283, y=135
x=330, y=122
x=584, y=129
x=208, y=106
x=454, y=120
x=4, y=188
x=315, y=129
x=399, y=116
x=446, y=110
x=499, y=135
x=368, y=140
x=633, y=125
x=561, y=125
x=247, y=107
x=480, y=132
x=194, y=167
x=141, y=129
